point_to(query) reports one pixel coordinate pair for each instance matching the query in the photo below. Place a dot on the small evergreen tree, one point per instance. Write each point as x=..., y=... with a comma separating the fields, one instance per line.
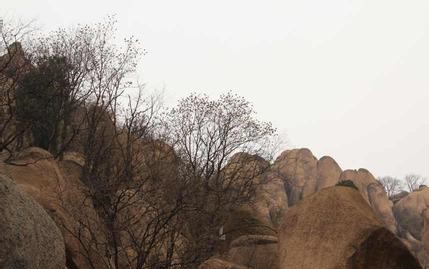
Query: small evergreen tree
x=43, y=100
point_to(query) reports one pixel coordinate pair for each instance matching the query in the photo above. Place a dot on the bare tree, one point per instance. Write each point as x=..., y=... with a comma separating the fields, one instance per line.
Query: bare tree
x=414, y=181
x=206, y=134
x=161, y=195
x=133, y=187
x=126, y=168
x=391, y=185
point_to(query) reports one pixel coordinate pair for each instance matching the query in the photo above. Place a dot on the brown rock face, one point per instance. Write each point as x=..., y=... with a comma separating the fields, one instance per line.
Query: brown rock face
x=303, y=174
x=270, y=203
x=382, y=249
x=362, y=178
x=408, y=211
x=336, y=228
x=216, y=263
x=423, y=252
x=247, y=251
x=373, y=192
x=382, y=206
x=254, y=251
x=29, y=238
x=298, y=169
x=56, y=186
x=328, y=172
x=397, y=197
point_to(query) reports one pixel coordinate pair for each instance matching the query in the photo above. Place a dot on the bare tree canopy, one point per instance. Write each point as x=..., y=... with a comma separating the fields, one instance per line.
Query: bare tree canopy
x=206, y=132
x=414, y=181
x=391, y=185
x=219, y=142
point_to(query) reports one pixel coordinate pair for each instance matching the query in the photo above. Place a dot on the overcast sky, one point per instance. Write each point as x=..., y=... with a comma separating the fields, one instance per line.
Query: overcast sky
x=345, y=78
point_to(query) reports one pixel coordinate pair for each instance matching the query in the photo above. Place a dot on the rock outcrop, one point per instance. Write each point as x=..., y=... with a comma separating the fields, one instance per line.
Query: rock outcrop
x=336, y=228
x=382, y=206
x=295, y=193
x=247, y=251
x=55, y=185
x=303, y=174
x=217, y=263
x=298, y=169
x=29, y=238
x=362, y=178
x=328, y=172
x=373, y=192
x=254, y=251
x=408, y=211
x=270, y=203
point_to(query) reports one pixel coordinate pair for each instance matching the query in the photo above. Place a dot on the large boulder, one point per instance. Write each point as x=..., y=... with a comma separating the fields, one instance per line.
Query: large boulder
x=416, y=247
x=413, y=217
x=55, y=185
x=397, y=197
x=303, y=174
x=328, y=172
x=298, y=170
x=408, y=211
x=242, y=221
x=382, y=206
x=270, y=202
x=373, y=192
x=254, y=251
x=336, y=228
x=29, y=238
x=244, y=167
x=362, y=178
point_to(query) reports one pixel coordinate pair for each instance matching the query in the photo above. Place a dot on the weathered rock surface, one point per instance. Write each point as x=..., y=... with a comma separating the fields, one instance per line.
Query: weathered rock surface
x=408, y=211
x=254, y=251
x=362, y=178
x=328, y=172
x=397, y=197
x=298, y=169
x=303, y=174
x=29, y=238
x=336, y=228
x=295, y=175
x=243, y=222
x=382, y=206
x=216, y=263
x=56, y=186
x=270, y=203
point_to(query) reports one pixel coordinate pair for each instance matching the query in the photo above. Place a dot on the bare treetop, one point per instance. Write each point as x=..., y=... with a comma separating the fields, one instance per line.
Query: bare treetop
x=414, y=181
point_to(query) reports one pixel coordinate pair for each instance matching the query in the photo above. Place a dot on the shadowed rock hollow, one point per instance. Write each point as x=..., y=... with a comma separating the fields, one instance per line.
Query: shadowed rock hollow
x=382, y=249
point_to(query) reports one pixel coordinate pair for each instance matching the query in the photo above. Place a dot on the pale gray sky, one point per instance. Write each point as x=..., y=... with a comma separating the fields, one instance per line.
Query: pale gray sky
x=346, y=78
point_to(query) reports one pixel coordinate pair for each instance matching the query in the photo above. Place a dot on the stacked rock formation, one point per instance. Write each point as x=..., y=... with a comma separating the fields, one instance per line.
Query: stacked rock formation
x=303, y=219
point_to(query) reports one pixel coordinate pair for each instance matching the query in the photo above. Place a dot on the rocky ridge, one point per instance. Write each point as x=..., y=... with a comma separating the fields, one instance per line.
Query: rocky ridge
x=296, y=184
